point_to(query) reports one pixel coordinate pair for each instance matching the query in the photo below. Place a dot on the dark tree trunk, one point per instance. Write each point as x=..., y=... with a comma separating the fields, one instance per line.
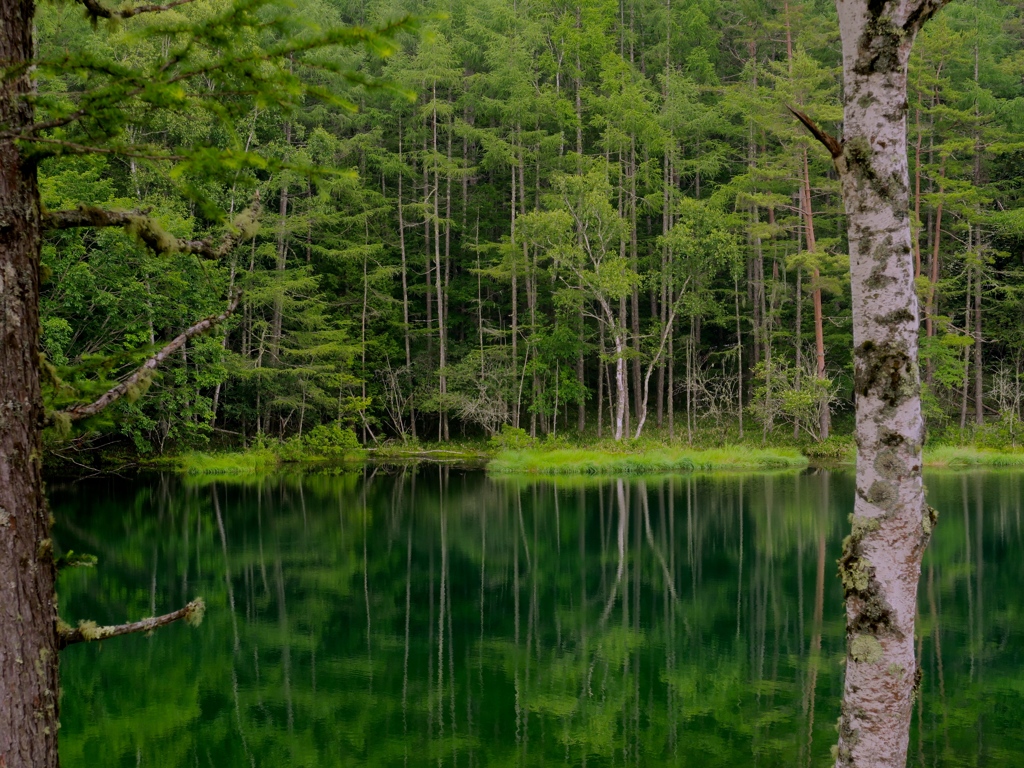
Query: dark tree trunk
x=28, y=609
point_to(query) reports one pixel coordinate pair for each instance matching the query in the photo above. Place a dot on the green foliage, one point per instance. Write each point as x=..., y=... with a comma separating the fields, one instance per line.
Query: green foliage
x=511, y=439
x=835, y=449
x=516, y=187
x=72, y=559
x=790, y=395
x=563, y=461
x=252, y=461
x=331, y=441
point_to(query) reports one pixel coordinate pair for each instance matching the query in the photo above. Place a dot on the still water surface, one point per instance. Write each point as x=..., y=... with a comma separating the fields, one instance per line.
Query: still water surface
x=440, y=617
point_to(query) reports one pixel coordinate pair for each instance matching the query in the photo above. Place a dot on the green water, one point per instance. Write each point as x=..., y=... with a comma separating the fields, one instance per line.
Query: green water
x=438, y=617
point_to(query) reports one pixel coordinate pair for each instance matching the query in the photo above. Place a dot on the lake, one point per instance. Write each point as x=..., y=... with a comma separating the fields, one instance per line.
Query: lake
x=442, y=617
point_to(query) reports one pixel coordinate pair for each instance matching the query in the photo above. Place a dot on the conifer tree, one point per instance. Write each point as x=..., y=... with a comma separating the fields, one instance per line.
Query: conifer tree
x=206, y=69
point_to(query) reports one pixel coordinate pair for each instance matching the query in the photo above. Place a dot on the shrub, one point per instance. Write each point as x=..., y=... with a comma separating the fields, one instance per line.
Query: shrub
x=833, y=449
x=511, y=439
x=332, y=440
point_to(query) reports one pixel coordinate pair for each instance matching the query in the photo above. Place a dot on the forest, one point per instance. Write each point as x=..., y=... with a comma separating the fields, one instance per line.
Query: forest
x=600, y=221
x=666, y=239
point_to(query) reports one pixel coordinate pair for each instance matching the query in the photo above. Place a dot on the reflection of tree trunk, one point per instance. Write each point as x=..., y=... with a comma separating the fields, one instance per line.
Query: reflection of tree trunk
x=650, y=540
x=739, y=578
x=979, y=568
x=532, y=636
x=799, y=566
x=620, y=570
x=234, y=627
x=259, y=526
x=690, y=557
x=815, y=654
x=405, y=656
x=936, y=620
x=286, y=648
x=483, y=586
x=441, y=618
x=584, y=634
x=971, y=639
x=227, y=567
x=522, y=530
x=515, y=670
x=366, y=592
x=430, y=649
x=635, y=671
x=670, y=619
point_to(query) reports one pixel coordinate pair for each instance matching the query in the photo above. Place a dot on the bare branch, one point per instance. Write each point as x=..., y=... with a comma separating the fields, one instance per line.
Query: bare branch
x=79, y=412
x=830, y=142
x=87, y=631
x=152, y=234
x=97, y=10
x=921, y=12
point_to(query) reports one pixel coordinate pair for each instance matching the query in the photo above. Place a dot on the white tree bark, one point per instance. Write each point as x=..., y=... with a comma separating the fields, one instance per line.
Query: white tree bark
x=881, y=561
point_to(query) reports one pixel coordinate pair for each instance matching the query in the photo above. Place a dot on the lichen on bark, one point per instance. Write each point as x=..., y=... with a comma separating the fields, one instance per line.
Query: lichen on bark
x=884, y=370
x=866, y=649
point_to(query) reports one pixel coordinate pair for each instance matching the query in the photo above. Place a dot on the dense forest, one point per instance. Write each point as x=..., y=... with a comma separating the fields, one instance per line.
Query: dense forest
x=598, y=217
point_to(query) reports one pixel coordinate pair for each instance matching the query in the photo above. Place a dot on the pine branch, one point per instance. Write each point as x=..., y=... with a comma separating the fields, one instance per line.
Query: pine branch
x=88, y=631
x=79, y=412
x=74, y=148
x=372, y=38
x=149, y=232
x=97, y=10
x=830, y=142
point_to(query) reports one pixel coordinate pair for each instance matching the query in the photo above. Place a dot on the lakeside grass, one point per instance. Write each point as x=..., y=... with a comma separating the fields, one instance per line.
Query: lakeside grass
x=650, y=459
x=965, y=457
x=243, y=462
x=653, y=461
x=247, y=462
x=440, y=453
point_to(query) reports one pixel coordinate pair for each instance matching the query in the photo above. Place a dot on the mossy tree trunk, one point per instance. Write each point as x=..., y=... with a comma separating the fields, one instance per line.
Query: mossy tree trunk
x=28, y=610
x=881, y=561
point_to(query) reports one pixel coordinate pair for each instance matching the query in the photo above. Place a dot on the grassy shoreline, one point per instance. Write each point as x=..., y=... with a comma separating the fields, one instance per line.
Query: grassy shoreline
x=243, y=462
x=970, y=457
x=602, y=459
x=587, y=461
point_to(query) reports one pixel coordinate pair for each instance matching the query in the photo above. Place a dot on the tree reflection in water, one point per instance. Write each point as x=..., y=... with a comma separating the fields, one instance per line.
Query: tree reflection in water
x=436, y=616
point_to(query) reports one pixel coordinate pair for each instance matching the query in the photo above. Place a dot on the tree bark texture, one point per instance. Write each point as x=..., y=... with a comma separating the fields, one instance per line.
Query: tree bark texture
x=881, y=560
x=28, y=607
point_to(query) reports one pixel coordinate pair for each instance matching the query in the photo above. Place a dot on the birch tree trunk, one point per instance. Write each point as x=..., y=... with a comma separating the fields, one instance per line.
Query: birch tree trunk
x=881, y=561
